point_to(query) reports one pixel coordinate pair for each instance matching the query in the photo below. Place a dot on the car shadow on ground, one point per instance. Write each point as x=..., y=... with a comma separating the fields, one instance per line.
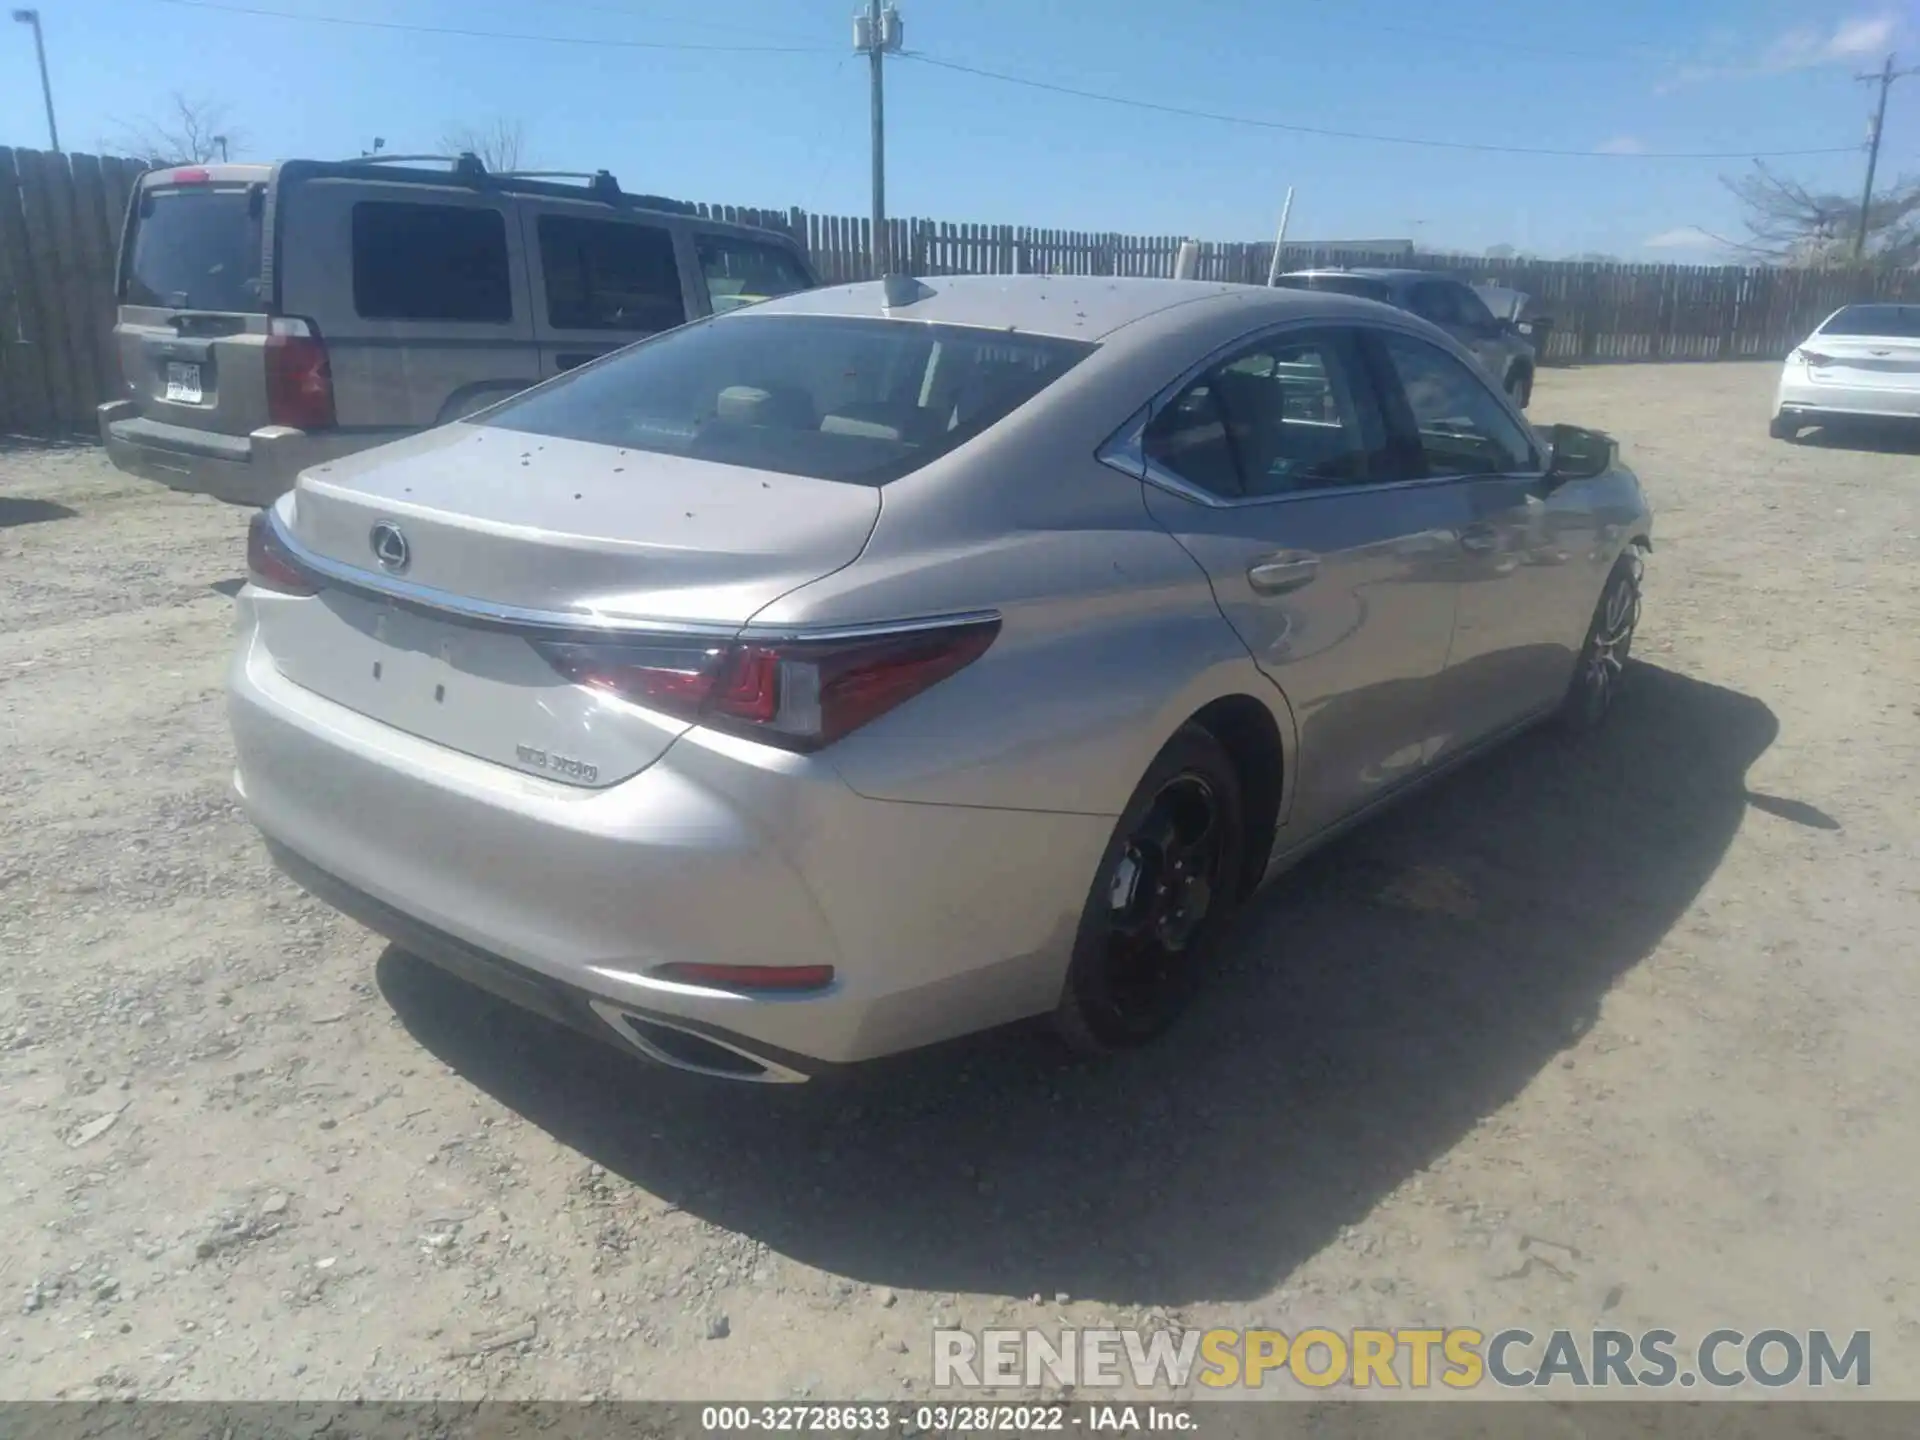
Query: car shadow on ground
x=1375, y=1004
x=1892, y=437
x=16, y=510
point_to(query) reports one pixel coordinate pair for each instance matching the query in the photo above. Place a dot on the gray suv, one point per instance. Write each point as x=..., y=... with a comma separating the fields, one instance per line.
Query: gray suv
x=274, y=316
x=1442, y=300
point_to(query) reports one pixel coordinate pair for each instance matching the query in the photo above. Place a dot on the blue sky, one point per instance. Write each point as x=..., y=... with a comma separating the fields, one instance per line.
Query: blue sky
x=1615, y=82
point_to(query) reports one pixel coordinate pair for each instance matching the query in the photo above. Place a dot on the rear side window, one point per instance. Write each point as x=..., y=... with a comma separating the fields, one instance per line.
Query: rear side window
x=858, y=400
x=196, y=248
x=1895, y=322
x=430, y=262
x=739, y=272
x=603, y=275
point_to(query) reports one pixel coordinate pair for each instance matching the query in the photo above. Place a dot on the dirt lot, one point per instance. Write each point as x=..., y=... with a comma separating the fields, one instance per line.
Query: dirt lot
x=1620, y=1033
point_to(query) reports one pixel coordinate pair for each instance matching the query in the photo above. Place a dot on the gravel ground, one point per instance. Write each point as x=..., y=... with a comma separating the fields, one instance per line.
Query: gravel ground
x=1616, y=1033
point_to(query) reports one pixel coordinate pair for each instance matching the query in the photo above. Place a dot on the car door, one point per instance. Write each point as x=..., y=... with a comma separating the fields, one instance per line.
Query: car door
x=1274, y=468
x=1514, y=630
x=601, y=281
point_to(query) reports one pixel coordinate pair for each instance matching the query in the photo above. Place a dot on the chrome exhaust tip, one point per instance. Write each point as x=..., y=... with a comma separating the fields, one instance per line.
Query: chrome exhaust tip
x=679, y=1048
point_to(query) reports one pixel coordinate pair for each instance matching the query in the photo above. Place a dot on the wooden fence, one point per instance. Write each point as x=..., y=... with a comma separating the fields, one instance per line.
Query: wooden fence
x=60, y=218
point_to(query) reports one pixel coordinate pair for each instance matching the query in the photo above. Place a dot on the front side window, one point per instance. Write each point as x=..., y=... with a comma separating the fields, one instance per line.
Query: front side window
x=1290, y=414
x=739, y=272
x=430, y=262
x=1472, y=310
x=835, y=398
x=1463, y=429
x=605, y=275
x=1433, y=301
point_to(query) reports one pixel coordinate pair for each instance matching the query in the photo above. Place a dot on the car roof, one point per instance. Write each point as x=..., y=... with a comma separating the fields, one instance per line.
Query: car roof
x=1080, y=307
x=380, y=172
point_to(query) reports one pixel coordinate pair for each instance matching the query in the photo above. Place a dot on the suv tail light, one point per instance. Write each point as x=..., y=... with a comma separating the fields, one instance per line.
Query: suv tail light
x=799, y=695
x=271, y=565
x=299, y=377
x=1815, y=359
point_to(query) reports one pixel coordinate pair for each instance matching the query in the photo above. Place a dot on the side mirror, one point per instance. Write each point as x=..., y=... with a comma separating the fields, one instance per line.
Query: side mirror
x=1577, y=454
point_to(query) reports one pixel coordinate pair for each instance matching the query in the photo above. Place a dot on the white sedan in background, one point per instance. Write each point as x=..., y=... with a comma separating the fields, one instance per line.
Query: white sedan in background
x=1862, y=362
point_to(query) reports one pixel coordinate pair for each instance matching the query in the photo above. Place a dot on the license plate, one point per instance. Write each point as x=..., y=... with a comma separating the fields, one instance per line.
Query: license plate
x=183, y=382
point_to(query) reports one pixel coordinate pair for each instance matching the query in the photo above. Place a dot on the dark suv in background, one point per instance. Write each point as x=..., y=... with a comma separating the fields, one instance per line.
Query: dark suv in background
x=1443, y=300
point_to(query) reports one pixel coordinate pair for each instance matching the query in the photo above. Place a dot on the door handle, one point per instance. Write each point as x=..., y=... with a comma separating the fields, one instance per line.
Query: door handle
x=1480, y=539
x=1278, y=574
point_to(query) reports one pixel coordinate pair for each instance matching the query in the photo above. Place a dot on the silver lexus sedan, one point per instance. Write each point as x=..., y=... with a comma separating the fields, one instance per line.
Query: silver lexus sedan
x=882, y=663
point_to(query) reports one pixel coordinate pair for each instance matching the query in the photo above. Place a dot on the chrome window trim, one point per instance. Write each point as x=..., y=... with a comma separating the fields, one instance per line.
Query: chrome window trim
x=1125, y=449
x=445, y=602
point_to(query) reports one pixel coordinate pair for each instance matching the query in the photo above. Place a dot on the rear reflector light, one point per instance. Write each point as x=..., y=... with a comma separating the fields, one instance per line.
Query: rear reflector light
x=299, y=377
x=271, y=565
x=800, y=695
x=749, y=977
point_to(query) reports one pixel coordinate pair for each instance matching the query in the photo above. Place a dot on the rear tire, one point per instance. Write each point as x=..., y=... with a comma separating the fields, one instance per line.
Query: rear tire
x=1165, y=892
x=1781, y=428
x=1601, y=671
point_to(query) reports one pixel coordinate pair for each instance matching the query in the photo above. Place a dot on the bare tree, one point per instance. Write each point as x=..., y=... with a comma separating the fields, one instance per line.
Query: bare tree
x=500, y=144
x=188, y=131
x=1789, y=223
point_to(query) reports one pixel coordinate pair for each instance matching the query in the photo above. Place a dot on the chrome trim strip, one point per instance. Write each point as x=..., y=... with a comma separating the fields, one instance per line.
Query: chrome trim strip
x=387, y=587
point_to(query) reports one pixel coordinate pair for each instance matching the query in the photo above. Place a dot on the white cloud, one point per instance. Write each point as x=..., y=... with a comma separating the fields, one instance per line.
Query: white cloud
x=1621, y=145
x=1804, y=47
x=1684, y=237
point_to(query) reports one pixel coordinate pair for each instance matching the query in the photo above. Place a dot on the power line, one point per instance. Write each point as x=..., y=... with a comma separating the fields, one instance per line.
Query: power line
x=501, y=34
x=1332, y=134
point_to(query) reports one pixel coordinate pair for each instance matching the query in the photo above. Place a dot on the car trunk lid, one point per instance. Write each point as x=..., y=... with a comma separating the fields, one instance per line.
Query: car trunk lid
x=1864, y=361
x=504, y=539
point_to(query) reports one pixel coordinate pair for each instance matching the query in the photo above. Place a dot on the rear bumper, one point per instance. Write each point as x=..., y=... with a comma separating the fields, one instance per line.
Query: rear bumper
x=938, y=920
x=1802, y=399
x=254, y=469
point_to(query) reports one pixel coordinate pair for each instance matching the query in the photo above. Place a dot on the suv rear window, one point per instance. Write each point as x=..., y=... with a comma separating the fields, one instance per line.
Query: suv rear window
x=430, y=262
x=196, y=248
x=834, y=398
x=1893, y=321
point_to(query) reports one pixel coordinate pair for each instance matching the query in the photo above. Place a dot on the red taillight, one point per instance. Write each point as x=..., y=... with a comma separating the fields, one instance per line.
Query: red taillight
x=190, y=177
x=270, y=565
x=800, y=695
x=749, y=977
x=299, y=377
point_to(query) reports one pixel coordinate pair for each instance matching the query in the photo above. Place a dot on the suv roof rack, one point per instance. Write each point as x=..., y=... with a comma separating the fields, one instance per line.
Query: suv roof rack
x=465, y=163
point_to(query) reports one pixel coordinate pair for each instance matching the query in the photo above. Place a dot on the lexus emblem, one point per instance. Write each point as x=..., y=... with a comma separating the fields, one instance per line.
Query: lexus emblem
x=390, y=547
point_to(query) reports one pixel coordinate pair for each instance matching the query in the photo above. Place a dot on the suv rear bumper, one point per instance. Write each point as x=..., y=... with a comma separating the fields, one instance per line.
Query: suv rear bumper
x=253, y=469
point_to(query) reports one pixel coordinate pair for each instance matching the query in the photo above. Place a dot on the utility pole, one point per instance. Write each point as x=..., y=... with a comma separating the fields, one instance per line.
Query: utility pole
x=1884, y=80
x=32, y=17
x=877, y=33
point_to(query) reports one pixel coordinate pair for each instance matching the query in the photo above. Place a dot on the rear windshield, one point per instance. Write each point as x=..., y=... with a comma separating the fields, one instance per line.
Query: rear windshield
x=1899, y=321
x=863, y=401
x=1339, y=284
x=196, y=248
